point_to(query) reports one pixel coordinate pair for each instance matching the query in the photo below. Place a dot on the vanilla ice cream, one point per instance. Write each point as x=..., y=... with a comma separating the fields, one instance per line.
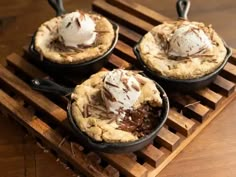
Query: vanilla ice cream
x=120, y=90
x=77, y=29
x=188, y=40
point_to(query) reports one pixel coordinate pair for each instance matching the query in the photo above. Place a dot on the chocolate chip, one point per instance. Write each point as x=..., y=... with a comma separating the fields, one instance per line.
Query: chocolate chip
x=108, y=95
x=178, y=44
x=85, y=112
x=68, y=24
x=78, y=22
x=113, y=85
x=125, y=82
x=140, y=80
x=49, y=29
x=135, y=87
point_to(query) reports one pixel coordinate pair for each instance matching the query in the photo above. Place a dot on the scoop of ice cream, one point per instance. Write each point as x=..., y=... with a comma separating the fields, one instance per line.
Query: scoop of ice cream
x=77, y=29
x=188, y=40
x=120, y=90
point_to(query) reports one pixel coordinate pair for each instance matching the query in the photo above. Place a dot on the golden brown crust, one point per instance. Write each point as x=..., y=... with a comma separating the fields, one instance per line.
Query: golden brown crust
x=89, y=110
x=48, y=32
x=154, y=56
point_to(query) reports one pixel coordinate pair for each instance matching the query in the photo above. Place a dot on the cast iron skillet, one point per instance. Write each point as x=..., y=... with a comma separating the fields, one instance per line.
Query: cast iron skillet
x=187, y=85
x=86, y=141
x=86, y=67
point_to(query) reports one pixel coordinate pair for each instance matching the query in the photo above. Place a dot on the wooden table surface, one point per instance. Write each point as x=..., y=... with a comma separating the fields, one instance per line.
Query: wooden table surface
x=211, y=154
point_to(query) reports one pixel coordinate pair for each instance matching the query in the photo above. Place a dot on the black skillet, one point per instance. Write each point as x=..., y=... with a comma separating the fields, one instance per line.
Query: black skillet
x=187, y=85
x=86, y=141
x=86, y=67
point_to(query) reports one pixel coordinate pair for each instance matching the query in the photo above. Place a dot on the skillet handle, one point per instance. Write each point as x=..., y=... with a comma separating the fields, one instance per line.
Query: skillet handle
x=49, y=86
x=57, y=5
x=135, y=49
x=182, y=7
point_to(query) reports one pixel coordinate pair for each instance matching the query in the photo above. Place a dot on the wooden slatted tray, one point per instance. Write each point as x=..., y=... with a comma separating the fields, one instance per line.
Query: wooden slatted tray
x=44, y=115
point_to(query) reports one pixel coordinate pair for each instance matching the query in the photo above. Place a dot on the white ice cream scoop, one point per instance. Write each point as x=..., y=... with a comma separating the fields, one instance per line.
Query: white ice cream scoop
x=188, y=40
x=120, y=90
x=77, y=29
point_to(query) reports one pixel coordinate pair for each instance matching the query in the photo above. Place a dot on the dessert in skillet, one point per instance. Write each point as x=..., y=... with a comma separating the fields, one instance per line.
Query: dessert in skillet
x=182, y=49
x=117, y=106
x=74, y=37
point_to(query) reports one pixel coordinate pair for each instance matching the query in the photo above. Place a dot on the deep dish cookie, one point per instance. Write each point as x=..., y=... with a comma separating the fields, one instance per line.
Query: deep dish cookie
x=182, y=50
x=74, y=38
x=116, y=106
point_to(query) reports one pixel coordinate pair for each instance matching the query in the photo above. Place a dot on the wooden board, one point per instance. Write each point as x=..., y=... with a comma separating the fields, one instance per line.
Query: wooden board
x=44, y=115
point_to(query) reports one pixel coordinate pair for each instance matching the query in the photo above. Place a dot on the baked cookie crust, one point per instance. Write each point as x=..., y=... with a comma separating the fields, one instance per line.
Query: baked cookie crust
x=46, y=42
x=153, y=45
x=90, y=114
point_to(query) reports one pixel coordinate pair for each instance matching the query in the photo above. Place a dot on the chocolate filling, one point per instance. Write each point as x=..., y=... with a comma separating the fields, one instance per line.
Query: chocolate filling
x=141, y=121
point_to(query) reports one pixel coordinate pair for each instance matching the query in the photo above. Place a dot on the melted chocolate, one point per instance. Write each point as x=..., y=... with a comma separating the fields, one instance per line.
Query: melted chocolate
x=141, y=121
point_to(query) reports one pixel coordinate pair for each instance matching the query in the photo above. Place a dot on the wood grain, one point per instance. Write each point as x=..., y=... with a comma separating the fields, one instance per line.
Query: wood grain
x=50, y=137
x=122, y=16
x=140, y=11
x=223, y=86
x=180, y=123
x=21, y=87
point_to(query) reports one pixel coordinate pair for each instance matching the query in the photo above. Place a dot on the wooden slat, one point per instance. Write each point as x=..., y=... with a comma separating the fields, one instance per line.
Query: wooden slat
x=111, y=171
x=129, y=36
x=168, y=139
x=190, y=107
x=29, y=69
x=186, y=141
x=180, y=123
x=94, y=158
x=126, y=165
x=121, y=16
x=119, y=63
x=149, y=167
x=152, y=155
x=140, y=11
x=40, y=101
x=35, y=98
x=208, y=97
x=132, y=156
x=229, y=72
x=47, y=134
x=223, y=86
x=125, y=51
